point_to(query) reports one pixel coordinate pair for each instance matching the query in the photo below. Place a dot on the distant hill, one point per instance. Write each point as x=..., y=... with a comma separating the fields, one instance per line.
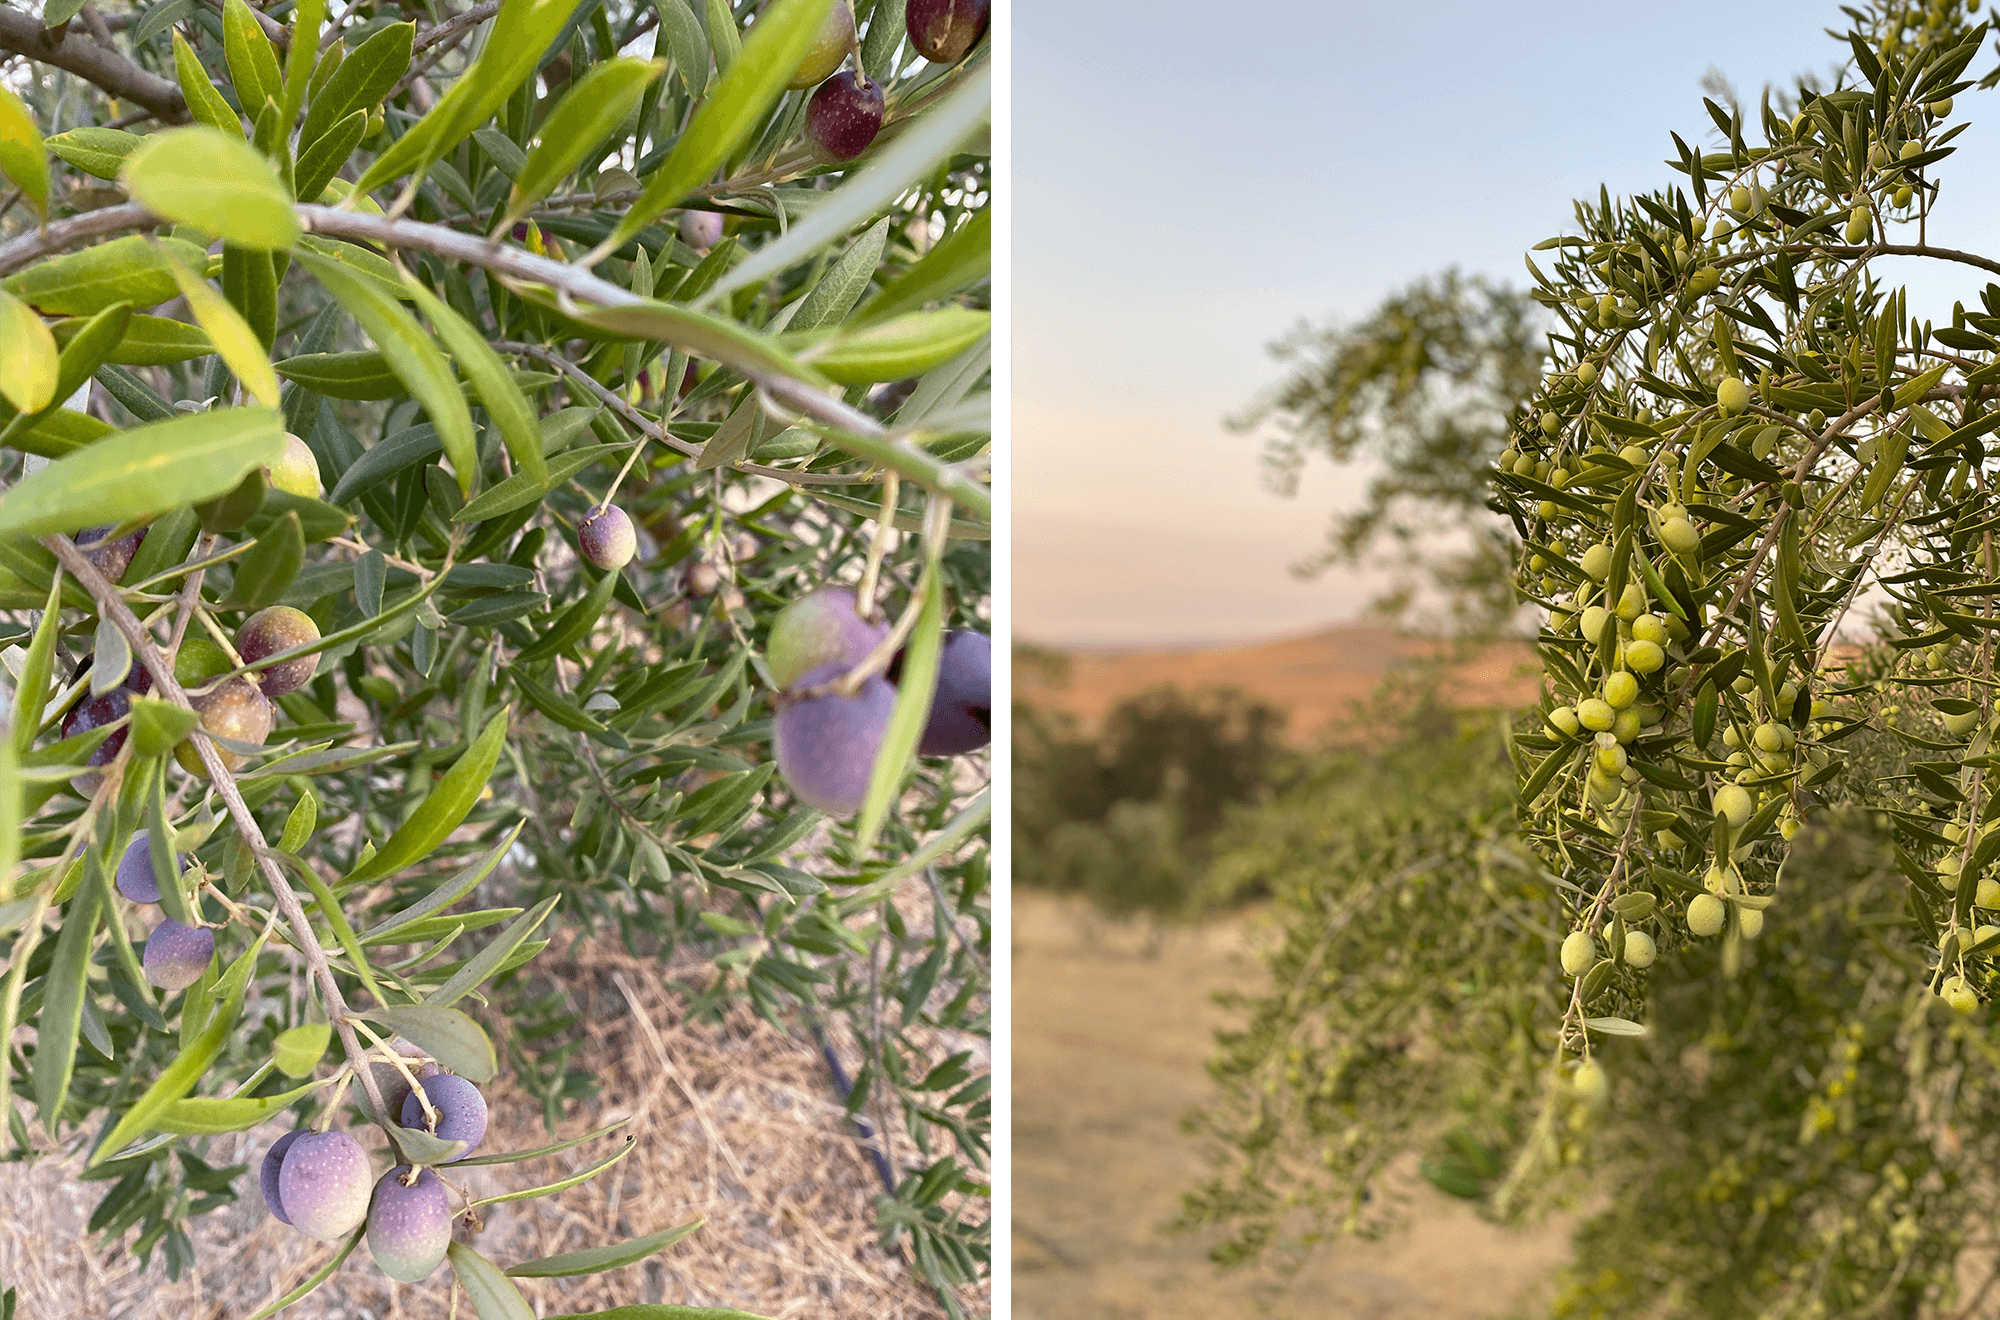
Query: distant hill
x=1316, y=679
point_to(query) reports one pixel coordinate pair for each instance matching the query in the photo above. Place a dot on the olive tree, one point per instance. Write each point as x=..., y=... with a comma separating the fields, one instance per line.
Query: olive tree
x=1705, y=944
x=533, y=454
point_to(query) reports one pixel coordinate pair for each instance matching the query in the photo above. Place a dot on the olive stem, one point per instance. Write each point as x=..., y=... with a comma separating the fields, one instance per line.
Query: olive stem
x=112, y=606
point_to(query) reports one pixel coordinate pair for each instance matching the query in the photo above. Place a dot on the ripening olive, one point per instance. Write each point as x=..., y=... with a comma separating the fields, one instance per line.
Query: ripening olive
x=269, y=631
x=235, y=709
x=323, y=1184
x=829, y=47
x=606, y=537
x=177, y=955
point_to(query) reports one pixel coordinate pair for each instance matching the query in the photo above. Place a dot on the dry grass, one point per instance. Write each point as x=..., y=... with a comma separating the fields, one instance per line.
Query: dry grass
x=736, y=1124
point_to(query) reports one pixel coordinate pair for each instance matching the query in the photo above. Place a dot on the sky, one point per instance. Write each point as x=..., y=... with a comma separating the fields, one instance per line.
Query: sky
x=1192, y=181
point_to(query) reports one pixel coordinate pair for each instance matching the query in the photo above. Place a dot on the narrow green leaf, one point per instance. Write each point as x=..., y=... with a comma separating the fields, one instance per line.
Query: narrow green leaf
x=595, y=1260
x=909, y=345
x=28, y=357
x=301, y=1049
x=336, y=920
x=687, y=43
x=446, y=1034
x=367, y=75
x=520, y=35
x=594, y=105
x=562, y=1185
x=144, y=472
x=130, y=269
x=723, y=39
x=778, y=42
x=358, y=376
x=234, y=340
x=306, y=21
x=322, y=160
x=489, y=959
x=23, y=156
x=220, y=185
x=96, y=151
x=498, y=391
x=658, y=1313
x=961, y=260
x=412, y=355
x=568, y=1143
x=31, y=691
x=420, y=1147
x=264, y=573
x=575, y=623
x=67, y=983
x=446, y=894
x=89, y=347
x=203, y=1116
x=158, y=726
x=520, y=489
x=699, y=333
x=914, y=155
x=493, y=1294
x=204, y=103
x=253, y=64
x=913, y=708
x=442, y=811
x=845, y=281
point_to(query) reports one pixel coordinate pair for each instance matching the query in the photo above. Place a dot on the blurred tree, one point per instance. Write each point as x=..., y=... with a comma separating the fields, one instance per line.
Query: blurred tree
x=1424, y=387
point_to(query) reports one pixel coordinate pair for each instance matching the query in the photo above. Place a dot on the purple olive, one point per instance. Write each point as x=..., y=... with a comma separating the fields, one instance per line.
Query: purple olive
x=943, y=30
x=110, y=558
x=826, y=745
x=95, y=713
x=700, y=230
x=606, y=538
x=961, y=718
x=269, y=631
x=135, y=878
x=843, y=117
x=461, y=1110
x=267, y=1173
x=409, y=1224
x=177, y=955
x=323, y=1183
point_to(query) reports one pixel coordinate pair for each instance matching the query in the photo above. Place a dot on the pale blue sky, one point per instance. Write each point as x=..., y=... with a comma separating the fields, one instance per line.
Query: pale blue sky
x=1192, y=178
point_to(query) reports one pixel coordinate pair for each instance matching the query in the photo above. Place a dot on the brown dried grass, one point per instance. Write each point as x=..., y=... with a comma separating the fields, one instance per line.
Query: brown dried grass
x=736, y=1124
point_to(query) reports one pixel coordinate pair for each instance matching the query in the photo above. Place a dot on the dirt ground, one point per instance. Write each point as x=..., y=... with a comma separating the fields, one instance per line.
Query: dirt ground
x=1110, y=1039
x=736, y=1125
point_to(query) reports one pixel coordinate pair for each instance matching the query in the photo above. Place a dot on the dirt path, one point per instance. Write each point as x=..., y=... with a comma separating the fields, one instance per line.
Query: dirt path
x=1109, y=1048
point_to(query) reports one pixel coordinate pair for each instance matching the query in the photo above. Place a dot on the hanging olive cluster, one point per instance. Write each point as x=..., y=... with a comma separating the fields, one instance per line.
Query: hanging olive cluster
x=1743, y=435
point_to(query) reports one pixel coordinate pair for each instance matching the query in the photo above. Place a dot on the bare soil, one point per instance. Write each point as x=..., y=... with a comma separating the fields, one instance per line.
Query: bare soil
x=1112, y=1028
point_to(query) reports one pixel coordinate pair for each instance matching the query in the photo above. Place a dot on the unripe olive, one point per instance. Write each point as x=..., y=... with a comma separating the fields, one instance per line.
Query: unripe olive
x=1645, y=657
x=234, y=709
x=1590, y=1085
x=1988, y=894
x=1743, y=684
x=1903, y=196
x=1625, y=725
x=1586, y=373
x=1640, y=949
x=199, y=660
x=269, y=631
x=1960, y=996
x=1942, y=106
x=1739, y=199
x=1859, y=224
x=1634, y=455
x=1704, y=281
x=1679, y=535
x=1611, y=760
x=1563, y=720
x=1632, y=602
x=1705, y=914
x=1596, y=562
x=829, y=47
x=1594, y=714
x=1960, y=725
x=1550, y=423
x=1579, y=951
x=606, y=537
x=1770, y=737
x=1650, y=628
x=1620, y=689
x=297, y=470
x=1594, y=619
x=1734, y=802
x=1732, y=396
x=1750, y=921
